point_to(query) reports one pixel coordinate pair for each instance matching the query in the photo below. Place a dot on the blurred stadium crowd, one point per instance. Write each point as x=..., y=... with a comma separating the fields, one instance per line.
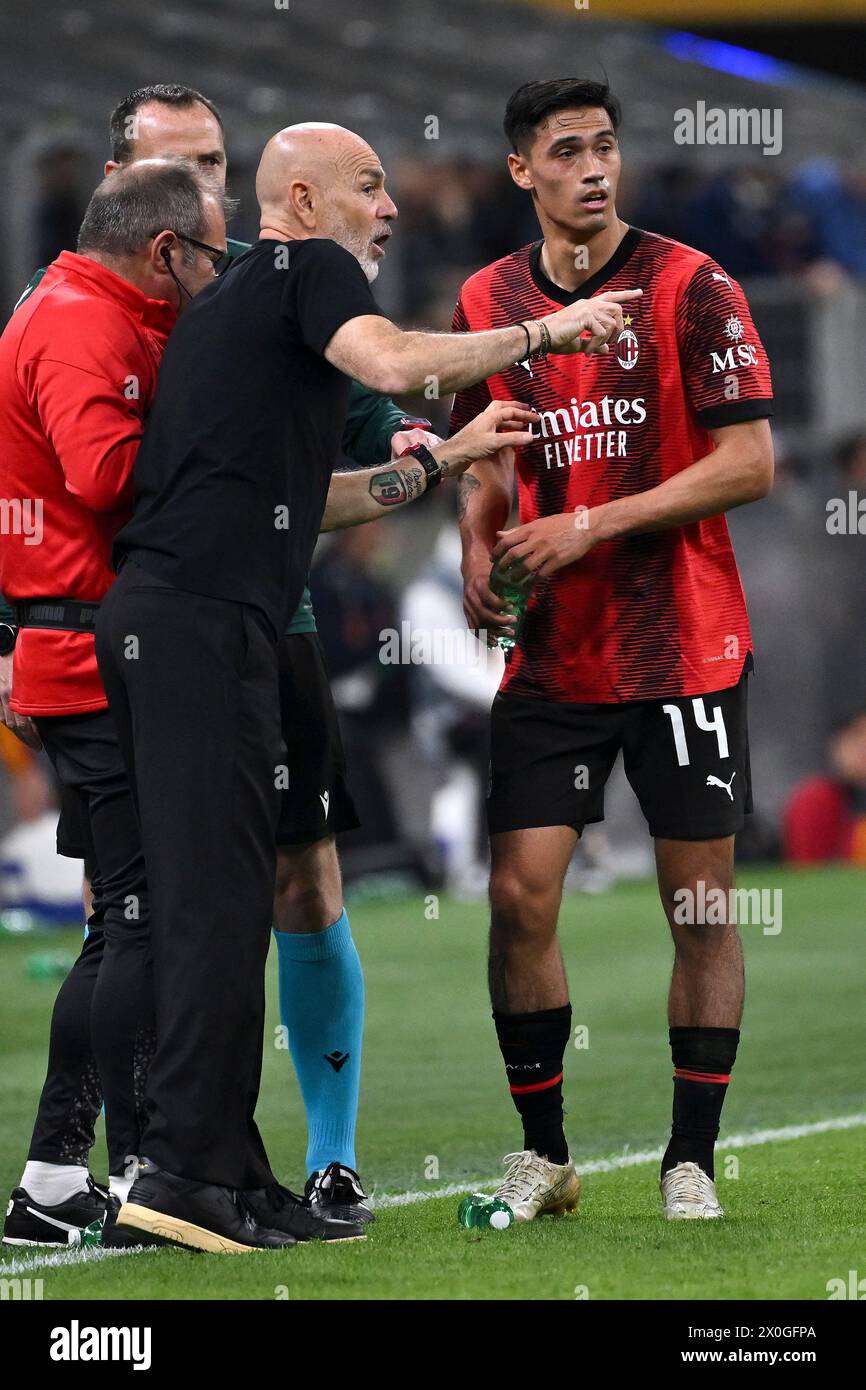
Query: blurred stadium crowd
x=416, y=734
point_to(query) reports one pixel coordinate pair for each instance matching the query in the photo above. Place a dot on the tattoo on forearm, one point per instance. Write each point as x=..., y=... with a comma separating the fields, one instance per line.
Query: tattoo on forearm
x=416, y=482
x=388, y=489
x=396, y=486
x=467, y=484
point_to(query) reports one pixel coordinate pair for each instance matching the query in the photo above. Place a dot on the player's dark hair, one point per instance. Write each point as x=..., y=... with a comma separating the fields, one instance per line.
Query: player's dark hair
x=846, y=720
x=135, y=202
x=535, y=101
x=121, y=125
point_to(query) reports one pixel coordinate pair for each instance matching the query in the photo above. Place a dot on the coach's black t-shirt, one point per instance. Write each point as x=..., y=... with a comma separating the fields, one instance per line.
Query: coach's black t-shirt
x=233, y=470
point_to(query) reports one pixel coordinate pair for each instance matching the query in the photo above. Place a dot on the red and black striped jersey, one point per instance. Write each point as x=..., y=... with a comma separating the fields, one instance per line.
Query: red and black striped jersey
x=641, y=616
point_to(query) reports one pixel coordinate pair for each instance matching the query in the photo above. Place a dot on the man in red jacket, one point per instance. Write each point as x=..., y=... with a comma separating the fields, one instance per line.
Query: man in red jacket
x=78, y=369
x=825, y=815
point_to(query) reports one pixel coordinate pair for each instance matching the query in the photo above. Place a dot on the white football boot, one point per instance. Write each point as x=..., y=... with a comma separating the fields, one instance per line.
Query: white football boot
x=689, y=1195
x=533, y=1186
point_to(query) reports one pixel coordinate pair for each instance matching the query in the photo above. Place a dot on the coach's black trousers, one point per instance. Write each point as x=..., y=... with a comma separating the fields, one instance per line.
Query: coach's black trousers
x=192, y=684
x=102, y=1025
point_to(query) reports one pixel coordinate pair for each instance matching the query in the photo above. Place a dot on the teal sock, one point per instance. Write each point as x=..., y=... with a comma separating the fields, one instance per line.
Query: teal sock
x=322, y=1011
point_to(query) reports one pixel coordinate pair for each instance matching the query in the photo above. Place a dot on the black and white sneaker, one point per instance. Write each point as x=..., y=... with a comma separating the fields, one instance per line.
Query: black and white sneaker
x=281, y=1209
x=169, y=1210
x=75, y=1222
x=336, y=1191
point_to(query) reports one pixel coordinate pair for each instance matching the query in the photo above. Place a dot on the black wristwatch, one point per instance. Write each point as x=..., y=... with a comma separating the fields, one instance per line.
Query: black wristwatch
x=8, y=635
x=431, y=466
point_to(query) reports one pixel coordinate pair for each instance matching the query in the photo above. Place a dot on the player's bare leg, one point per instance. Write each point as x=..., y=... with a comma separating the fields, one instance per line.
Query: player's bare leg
x=704, y=1010
x=322, y=1009
x=529, y=993
x=707, y=984
x=528, y=871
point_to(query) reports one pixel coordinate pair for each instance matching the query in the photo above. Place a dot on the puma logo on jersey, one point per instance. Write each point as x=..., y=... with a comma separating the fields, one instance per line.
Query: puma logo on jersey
x=325, y=798
x=525, y=365
x=717, y=782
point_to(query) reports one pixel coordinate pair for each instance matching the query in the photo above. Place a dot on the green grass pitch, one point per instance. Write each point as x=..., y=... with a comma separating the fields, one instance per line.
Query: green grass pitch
x=435, y=1114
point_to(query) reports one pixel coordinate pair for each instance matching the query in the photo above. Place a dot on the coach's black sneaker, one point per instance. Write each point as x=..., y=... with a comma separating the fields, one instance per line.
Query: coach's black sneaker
x=282, y=1210
x=114, y=1237
x=75, y=1222
x=194, y=1215
x=337, y=1191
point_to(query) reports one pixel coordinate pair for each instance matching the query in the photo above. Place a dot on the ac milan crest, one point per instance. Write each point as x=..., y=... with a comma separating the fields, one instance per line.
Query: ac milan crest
x=627, y=349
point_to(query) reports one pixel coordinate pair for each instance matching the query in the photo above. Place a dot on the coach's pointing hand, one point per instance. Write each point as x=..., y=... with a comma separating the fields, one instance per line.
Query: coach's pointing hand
x=600, y=316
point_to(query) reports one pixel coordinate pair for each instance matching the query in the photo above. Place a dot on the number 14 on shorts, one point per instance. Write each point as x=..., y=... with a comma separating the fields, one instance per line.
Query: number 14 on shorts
x=707, y=725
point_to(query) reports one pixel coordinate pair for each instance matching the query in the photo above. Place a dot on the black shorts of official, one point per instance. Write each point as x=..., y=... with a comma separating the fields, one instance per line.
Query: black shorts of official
x=686, y=759
x=317, y=801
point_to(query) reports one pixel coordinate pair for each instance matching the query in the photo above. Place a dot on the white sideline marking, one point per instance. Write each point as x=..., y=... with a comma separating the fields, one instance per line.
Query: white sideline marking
x=61, y=1259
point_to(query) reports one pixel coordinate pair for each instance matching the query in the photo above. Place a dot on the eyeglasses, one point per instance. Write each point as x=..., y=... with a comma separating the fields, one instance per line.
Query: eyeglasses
x=220, y=260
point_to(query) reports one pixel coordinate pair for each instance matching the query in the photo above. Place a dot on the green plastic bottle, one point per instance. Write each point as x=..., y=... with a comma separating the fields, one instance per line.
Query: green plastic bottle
x=91, y=1235
x=514, y=584
x=479, y=1210
x=52, y=965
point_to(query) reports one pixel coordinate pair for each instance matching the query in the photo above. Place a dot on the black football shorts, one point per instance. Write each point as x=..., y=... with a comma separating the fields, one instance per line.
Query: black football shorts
x=686, y=759
x=317, y=801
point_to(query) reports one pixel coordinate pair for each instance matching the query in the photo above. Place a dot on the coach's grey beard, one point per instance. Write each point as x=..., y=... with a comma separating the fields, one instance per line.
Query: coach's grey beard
x=356, y=245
